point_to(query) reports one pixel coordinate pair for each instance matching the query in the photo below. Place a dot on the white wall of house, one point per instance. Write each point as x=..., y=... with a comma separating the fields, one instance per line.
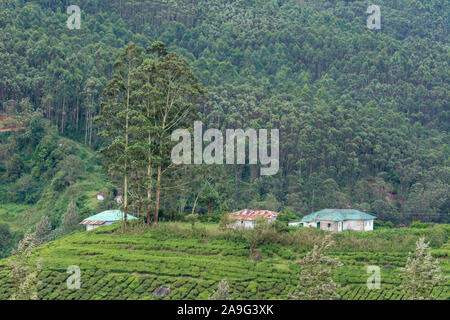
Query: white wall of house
x=329, y=225
x=244, y=224
x=92, y=226
x=338, y=226
x=369, y=225
x=358, y=225
x=95, y=226
x=249, y=224
x=310, y=224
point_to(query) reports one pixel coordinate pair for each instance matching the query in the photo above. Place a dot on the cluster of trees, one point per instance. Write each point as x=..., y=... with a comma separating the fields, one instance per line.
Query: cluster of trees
x=147, y=99
x=44, y=232
x=362, y=114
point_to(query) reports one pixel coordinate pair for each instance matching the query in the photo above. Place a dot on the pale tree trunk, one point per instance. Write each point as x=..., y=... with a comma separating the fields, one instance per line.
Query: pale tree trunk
x=77, y=112
x=63, y=113
x=125, y=180
x=149, y=207
x=90, y=124
x=195, y=202
x=159, y=173
x=86, y=125
x=149, y=187
x=157, y=195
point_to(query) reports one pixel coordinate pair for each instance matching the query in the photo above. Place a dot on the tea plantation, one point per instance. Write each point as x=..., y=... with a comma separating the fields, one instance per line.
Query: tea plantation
x=115, y=265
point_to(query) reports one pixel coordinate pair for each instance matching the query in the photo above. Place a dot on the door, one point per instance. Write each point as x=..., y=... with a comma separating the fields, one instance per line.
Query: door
x=318, y=225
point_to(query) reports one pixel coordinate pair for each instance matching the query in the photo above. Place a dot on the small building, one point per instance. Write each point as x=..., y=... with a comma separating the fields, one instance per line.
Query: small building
x=246, y=218
x=338, y=220
x=118, y=199
x=295, y=223
x=100, y=196
x=105, y=218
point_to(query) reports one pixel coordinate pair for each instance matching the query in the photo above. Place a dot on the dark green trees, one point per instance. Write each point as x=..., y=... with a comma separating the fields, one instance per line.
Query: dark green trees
x=143, y=104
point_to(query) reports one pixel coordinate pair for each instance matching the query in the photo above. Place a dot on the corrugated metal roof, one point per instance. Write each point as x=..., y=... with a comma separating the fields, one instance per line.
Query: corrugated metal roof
x=337, y=215
x=247, y=214
x=106, y=216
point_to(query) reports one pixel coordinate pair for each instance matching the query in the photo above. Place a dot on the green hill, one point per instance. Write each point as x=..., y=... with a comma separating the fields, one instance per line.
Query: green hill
x=131, y=266
x=41, y=177
x=363, y=114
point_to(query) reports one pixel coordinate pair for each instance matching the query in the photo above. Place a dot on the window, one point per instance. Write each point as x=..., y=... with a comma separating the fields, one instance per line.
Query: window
x=329, y=225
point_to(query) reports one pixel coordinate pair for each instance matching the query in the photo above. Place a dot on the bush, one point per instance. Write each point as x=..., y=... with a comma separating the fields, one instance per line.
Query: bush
x=280, y=226
x=378, y=224
x=421, y=225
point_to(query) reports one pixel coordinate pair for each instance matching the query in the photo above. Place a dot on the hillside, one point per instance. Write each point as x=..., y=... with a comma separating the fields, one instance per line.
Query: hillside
x=191, y=262
x=41, y=173
x=362, y=114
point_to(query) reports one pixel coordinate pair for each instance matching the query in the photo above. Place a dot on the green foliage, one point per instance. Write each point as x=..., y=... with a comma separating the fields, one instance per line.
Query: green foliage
x=209, y=197
x=57, y=171
x=226, y=221
x=421, y=225
x=69, y=220
x=43, y=232
x=380, y=224
x=259, y=234
x=117, y=265
x=362, y=113
x=287, y=215
x=222, y=292
x=23, y=279
x=6, y=240
x=421, y=273
x=315, y=281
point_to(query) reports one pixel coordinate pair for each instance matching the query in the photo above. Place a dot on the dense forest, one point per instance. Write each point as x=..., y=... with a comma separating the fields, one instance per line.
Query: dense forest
x=363, y=114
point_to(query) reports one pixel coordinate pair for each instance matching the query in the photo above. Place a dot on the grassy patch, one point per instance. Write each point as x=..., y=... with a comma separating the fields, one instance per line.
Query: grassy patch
x=118, y=265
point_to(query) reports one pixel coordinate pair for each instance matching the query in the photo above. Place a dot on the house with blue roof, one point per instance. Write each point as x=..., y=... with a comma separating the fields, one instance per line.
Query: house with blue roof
x=105, y=218
x=337, y=220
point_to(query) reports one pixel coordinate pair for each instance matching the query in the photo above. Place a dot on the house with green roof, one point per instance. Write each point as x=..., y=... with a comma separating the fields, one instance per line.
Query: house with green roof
x=337, y=220
x=105, y=218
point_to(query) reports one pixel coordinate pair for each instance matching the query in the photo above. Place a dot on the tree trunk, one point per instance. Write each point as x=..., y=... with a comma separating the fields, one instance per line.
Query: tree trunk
x=149, y=177
x=158, y=187
x=86, y=127
x=77, y=112
x=125, y=199
x=149, y=209
x=195, y=202
x=149, y=198
x=125, y=182
x=62, y=114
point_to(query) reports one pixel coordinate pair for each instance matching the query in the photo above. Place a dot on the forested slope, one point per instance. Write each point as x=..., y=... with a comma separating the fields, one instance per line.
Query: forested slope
x=43, y=173
x=363, y=114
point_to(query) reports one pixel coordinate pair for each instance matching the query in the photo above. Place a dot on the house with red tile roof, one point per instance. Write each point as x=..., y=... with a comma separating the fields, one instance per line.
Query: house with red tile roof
x=246, y=218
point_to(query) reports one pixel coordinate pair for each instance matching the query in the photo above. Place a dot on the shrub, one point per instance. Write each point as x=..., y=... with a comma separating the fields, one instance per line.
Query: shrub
x=421, y=225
